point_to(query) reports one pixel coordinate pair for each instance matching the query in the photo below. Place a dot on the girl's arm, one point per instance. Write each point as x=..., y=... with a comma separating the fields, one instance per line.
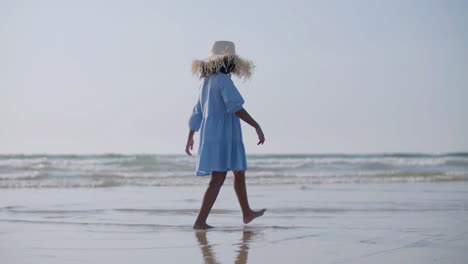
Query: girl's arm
x=244, y=115
x=190, y=141
x=194, y=125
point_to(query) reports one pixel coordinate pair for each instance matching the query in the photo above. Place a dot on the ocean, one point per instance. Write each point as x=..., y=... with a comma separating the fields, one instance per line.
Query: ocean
x=112, y=170
x=334, y=208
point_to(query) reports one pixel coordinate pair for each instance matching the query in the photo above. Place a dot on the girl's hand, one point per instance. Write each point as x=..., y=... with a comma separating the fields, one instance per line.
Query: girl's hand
x=189, y=146
x=244, y=115
x=261, y=137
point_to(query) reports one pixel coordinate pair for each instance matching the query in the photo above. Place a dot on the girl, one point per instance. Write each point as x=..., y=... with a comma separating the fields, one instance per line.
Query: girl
x=217, y=115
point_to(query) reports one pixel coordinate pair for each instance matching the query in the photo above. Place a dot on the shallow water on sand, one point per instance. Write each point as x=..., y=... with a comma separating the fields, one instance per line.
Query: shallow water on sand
x=330, y=223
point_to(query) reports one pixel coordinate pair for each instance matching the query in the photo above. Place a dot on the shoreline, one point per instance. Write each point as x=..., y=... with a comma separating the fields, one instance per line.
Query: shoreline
x=326, y=223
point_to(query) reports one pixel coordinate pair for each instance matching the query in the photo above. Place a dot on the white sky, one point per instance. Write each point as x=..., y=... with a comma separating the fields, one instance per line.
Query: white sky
x=332, y=76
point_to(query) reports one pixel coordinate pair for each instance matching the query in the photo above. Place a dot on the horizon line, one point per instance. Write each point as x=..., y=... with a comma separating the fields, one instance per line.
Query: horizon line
x=254, y=154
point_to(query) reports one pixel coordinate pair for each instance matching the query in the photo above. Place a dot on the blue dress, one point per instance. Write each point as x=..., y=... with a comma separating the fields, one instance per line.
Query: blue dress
x=221, y=147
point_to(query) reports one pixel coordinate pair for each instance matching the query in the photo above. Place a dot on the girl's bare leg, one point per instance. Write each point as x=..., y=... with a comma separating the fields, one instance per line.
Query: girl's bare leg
x=211, y=193
x=241, y=192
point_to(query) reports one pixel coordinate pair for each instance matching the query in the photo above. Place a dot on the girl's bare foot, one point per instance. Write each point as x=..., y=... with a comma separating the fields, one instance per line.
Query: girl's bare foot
x=201, y=226
x=253, y=215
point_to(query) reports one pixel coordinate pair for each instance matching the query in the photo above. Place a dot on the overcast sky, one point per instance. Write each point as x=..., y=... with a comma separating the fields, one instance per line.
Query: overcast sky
x=332, y=76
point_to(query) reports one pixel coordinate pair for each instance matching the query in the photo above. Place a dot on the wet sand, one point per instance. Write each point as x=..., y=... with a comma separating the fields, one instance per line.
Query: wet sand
x=329, y=223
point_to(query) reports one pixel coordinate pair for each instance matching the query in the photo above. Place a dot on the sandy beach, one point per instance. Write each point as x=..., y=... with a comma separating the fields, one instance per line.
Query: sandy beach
x=329, y=223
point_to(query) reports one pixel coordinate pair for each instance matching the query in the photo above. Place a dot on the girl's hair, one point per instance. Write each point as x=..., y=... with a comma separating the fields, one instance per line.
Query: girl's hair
x=228, y=65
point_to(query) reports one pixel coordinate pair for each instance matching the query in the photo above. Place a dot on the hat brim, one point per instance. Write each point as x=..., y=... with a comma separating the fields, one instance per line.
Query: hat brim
x=212, y=64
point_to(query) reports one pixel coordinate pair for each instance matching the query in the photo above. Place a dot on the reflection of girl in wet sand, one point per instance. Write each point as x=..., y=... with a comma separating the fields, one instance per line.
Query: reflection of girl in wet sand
x=243, y=251
x=207, y=250
x=217, y=115
x=210, y=257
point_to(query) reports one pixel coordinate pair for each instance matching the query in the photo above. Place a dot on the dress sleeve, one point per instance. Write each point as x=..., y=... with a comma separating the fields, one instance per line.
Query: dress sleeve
x=196, y=117
x=231, y=96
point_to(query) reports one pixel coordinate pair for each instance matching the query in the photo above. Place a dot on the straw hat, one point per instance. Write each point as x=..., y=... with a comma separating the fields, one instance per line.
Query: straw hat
x=222, y=53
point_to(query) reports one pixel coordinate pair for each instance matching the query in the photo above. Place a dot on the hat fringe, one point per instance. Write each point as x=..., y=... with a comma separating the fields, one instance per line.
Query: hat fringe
x=243, y=68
